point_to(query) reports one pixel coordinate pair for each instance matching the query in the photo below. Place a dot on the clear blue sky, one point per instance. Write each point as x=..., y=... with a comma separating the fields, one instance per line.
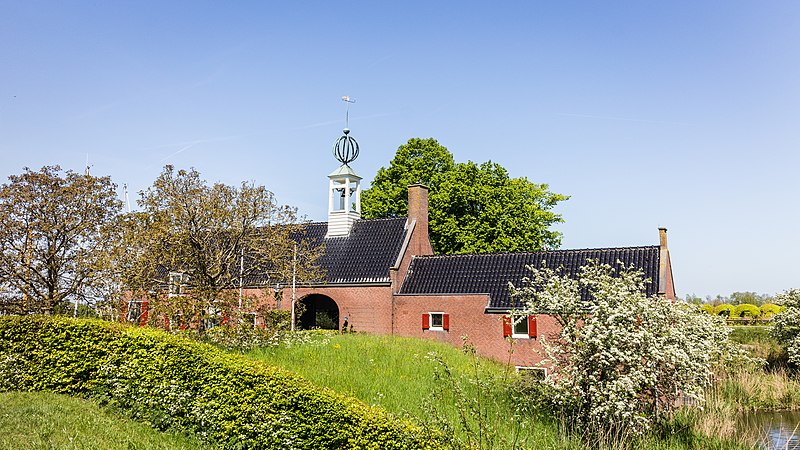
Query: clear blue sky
x=676, y=114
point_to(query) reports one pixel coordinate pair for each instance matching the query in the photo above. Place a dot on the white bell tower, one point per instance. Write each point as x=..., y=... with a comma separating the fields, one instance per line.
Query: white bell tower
x=344, y=189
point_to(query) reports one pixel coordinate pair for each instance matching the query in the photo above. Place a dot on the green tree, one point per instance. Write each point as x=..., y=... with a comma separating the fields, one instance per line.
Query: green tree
x=206, y=241
x=418, y=161
x=55, y=238
x=739, y=298
x=473, y=207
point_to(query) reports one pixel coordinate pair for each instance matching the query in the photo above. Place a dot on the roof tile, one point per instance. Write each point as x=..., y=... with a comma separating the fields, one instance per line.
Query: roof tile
x=490, y=273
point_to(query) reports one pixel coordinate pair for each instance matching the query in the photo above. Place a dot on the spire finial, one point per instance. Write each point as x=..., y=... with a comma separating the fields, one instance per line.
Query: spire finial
x=345, y=149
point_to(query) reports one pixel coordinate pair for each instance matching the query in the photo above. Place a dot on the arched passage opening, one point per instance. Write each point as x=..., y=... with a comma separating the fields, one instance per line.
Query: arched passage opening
x=319, y=311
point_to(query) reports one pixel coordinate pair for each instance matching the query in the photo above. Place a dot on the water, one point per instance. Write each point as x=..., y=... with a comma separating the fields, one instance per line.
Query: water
x=778, y=430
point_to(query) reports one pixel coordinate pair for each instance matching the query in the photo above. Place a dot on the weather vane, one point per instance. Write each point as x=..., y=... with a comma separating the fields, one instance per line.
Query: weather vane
x=345, y=149
x=346, y=99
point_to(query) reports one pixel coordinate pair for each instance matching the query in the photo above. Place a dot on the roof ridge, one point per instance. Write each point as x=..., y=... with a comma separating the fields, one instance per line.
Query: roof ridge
x=537, y=252
x=381, y=218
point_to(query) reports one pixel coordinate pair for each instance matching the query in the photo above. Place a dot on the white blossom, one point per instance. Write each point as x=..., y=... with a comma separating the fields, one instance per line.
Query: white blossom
x=622, y=358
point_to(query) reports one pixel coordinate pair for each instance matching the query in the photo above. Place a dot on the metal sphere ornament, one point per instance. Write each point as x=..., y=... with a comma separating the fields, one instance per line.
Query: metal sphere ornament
x=345, y=149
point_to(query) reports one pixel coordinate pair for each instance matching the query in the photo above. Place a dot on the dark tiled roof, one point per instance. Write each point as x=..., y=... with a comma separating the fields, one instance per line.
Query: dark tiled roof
x=363, y=256
x=490, y=273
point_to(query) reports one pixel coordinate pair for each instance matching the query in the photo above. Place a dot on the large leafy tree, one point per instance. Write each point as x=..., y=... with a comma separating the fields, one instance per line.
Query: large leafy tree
x=210, y=240
x=55, y=238
x=473, y=207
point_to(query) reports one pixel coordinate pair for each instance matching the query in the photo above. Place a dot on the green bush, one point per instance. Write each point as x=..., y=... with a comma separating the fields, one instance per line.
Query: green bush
x=746, y=310
x=175, y=383
x=707, y=307
x=723, y=307
x=768, y=310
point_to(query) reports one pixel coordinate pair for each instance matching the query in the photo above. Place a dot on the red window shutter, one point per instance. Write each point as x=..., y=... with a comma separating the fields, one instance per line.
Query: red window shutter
x=166, y=323
x=532, y=331
x=446, y=321
x=426, y=321
x=145, y=313
x=506, y=326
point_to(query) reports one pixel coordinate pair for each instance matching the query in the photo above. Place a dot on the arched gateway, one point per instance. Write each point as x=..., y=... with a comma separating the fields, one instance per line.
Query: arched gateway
x=319, y=311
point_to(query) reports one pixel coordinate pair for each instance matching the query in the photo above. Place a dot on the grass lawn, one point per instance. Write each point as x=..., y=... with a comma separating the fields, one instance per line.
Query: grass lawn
x=41, y=420
x=399, y=375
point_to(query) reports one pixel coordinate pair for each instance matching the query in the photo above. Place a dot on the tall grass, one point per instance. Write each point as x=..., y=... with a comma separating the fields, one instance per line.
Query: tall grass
x=433, y=383
x=430, y=382
x=41, y=420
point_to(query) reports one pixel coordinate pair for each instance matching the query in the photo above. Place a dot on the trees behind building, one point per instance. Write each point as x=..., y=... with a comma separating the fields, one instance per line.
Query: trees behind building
x=189, y=250
x=474, y=208
x=202, y=243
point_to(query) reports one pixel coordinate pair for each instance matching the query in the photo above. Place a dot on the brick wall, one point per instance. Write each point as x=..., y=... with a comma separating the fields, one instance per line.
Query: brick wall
x=467, y=318
x=368, y=308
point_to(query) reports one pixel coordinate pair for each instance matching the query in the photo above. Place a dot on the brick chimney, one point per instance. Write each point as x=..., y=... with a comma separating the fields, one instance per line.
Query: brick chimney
x=418, y=214
x=666, y=284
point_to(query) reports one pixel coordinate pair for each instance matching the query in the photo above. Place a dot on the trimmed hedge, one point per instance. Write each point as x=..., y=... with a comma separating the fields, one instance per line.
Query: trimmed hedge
x=770, y=309
x=746, y=310
x=723, y=307
x=175, y=383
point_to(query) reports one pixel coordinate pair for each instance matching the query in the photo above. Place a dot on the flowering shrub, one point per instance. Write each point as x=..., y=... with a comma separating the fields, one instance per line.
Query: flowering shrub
x=171, y=382
x=786, y=329
x=622, y=360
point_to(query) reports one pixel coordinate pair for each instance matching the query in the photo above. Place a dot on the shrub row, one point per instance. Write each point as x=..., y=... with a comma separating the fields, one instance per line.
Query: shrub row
x=744, y=310
x=171, y=382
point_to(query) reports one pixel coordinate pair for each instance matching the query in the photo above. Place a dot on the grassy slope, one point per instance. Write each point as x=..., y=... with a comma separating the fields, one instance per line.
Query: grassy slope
x=397, y=374
x=41, y=420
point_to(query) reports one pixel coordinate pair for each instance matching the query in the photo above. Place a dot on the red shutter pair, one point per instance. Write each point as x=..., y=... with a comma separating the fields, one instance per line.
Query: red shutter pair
x=426, y=322
x=508, y=327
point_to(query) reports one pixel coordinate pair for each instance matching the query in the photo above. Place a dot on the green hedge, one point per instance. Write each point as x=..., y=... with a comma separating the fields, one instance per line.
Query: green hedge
x=175, y=383
x=746, y=310
x=770, y=309
x=723, y=307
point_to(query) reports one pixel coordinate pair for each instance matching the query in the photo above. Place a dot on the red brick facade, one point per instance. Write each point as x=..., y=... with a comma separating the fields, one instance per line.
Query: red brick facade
x=380, y=309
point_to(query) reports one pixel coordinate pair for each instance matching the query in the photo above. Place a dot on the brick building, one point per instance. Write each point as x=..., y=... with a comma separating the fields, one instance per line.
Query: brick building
x=381, y=276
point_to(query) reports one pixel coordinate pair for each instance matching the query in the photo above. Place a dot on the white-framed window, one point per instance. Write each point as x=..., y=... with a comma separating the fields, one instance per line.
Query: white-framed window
x=535, y=373
x=436, y=321
x=519, y=327
x=177, y=283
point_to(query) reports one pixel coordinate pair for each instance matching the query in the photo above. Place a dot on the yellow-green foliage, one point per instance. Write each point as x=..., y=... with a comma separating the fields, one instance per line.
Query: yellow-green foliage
x=770, y=309
x=179, y=384
x=723, y=307
x=707, y=307
x=746, y=310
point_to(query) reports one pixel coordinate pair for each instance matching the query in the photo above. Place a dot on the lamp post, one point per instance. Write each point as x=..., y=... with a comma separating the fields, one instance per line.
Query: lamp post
x=278, y=294
x=294, y=282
